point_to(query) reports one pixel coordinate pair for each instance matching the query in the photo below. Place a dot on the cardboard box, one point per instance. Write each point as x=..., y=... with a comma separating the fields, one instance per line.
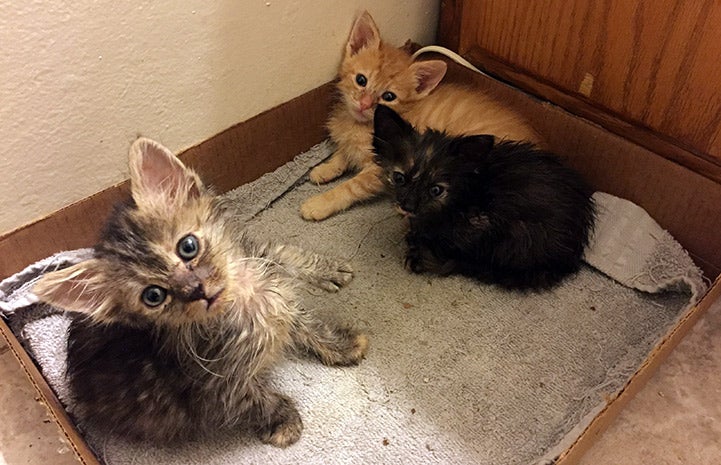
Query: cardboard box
x=245, y=151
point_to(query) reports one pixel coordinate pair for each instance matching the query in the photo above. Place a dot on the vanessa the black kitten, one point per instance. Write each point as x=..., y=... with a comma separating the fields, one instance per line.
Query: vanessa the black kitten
x=506, y=212
x=181, y=317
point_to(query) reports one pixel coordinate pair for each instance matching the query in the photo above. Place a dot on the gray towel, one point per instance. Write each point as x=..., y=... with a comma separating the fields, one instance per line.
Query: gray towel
x=457, y=372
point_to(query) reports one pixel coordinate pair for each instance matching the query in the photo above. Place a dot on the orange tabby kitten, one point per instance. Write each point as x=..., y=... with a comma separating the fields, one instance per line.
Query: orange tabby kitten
x=373, y=72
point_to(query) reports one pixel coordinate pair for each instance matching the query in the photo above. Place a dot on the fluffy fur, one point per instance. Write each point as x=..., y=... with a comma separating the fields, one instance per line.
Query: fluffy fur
x=373, y=72
x=507, y=212
x=181, y=319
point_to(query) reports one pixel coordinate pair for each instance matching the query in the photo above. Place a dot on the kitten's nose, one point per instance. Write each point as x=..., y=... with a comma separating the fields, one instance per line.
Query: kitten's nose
x=407, y=206
x=195, y=294
x=365, y=102
x=187, y=287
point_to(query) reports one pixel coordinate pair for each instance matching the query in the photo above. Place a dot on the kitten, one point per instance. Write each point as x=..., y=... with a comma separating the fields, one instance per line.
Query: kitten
x=507, y=212
x=181, y=318
x=373, y=72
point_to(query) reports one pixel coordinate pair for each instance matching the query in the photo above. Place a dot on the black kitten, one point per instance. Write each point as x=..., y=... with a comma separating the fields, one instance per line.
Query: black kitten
x=508, y=212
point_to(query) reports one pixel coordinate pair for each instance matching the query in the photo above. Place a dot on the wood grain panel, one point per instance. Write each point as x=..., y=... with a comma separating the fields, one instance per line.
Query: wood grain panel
x=658, y=143
x=653, y=64
x=449, y=24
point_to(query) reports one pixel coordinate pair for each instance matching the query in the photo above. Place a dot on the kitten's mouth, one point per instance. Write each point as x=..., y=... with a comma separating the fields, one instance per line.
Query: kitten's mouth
x=404, y=213
x=360, y=116
x=212, y=299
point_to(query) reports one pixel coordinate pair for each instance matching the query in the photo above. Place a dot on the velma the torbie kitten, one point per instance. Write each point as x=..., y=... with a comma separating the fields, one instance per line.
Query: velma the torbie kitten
x=507, y=212
x=181, y=318
x=373, y=72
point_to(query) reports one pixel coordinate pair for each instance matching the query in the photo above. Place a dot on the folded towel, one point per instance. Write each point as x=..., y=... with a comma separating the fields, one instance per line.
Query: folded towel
x=458, y=372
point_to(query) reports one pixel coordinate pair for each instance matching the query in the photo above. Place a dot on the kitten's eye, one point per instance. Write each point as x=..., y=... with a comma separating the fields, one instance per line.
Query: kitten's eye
x=154, y=295
x=436, y=190
x=361, y=80
x=398, y=178
x=388, y=96
x=188, y=247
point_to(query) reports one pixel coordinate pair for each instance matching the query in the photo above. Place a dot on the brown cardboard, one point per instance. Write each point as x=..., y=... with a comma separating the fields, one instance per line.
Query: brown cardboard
x=46, y=395
x=247, y=150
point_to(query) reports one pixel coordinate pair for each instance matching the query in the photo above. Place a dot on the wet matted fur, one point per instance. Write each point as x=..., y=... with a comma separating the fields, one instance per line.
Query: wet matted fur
x=503, y=212
x=181, y=318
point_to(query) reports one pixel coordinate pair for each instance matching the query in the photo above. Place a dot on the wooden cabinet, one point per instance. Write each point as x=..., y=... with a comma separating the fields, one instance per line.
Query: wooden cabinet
x=647, y=70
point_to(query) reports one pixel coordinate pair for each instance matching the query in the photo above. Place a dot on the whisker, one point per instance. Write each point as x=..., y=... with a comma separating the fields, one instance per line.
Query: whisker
x=185, y=336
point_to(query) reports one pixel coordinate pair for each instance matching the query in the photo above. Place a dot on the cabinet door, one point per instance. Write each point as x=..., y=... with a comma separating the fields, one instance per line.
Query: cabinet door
x=649, y=70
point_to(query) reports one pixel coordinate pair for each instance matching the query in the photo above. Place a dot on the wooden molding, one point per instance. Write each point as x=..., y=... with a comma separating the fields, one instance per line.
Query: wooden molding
x=458, y=24
x=647, y=70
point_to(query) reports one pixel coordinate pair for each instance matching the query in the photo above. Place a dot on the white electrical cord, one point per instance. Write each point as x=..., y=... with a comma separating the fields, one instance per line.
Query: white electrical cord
x=450, y=54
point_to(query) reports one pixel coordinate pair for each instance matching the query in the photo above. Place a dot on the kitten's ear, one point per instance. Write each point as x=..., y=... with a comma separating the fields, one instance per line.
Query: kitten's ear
x=388, y=126
x=157, y=174
x=364, y=33
x=428, y=74
x=473, y=146
x=80, y=288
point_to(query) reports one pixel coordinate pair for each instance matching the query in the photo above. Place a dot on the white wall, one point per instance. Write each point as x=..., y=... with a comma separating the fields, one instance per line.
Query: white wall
x=80, y=80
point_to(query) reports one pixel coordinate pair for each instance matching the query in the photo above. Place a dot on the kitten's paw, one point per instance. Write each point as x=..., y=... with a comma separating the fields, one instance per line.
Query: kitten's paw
x=349, y=349
x=324, y=173
x=414, y=263
x=332, y=275
x=285, y=426
x=316, y=208
x=284, y=434
x=359, y=349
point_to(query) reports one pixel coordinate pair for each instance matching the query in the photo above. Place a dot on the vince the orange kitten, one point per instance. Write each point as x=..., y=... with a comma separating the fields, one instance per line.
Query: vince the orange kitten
x=373, y=72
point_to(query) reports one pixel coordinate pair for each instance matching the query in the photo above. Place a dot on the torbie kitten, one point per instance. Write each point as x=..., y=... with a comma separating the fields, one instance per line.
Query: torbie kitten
x=503, y=212
x=373, y=72
x=181, y=318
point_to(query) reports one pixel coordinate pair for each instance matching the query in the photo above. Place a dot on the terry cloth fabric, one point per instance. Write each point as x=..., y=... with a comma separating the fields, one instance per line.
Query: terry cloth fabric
x=457, y=372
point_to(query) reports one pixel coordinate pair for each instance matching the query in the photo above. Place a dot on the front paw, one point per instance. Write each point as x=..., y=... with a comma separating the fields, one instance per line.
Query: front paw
x=324, y=173
x=284, y=427
x=346, y=347
x=414, y=261
x=331, y=275
x=316, y=208
x=357, y=351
